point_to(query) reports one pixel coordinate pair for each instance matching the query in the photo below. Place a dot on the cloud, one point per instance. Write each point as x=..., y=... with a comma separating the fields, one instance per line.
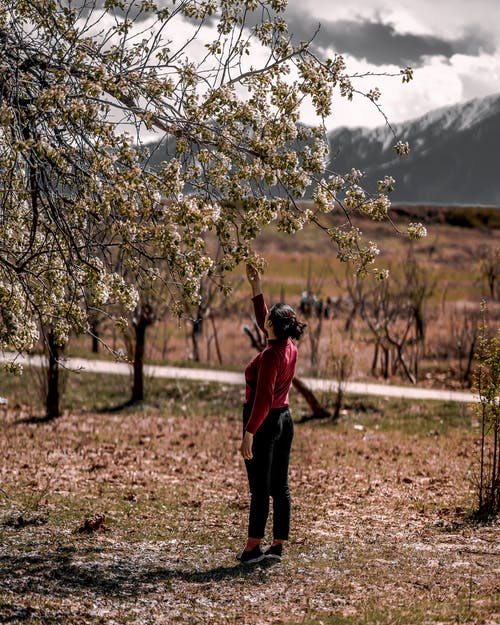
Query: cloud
x=379, y=43
x=372, y=39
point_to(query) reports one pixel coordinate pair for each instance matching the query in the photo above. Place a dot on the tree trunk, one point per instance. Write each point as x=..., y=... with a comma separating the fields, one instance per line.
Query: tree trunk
x=318, y=412
x=339, y=399
x=140, y=343
x=472, y=351
x=196, y=332
x=494, y=495
x=385, y=363
x=373, y=369
x=52, y=403
x=349, y=324
x=95, y=338
x=216, y=339
x=491, y=285
x=314, y=339
x=406, y=369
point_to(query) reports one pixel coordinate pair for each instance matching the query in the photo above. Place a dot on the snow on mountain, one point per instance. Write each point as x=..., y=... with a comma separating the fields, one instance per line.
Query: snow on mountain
x=462, y=116
x=454, y=154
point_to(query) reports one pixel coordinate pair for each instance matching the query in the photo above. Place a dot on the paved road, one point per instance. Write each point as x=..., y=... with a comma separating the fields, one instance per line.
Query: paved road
x=229, y=377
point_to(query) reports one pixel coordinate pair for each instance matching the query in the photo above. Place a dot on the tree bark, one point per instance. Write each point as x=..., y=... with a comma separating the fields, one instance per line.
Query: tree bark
x=52, y=401
x=406, y=369
x=385, y=363
x=196, y=332
x=318, y=412
x=95, y=338
x=216, y=339
x=140, y=342
x=373, y=369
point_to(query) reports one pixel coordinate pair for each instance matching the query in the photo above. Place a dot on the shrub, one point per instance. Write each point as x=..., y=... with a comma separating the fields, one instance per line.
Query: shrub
x=487, y=385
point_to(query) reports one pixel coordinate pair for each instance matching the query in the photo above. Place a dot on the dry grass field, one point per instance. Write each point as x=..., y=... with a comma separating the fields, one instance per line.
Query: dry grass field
x=135, y=517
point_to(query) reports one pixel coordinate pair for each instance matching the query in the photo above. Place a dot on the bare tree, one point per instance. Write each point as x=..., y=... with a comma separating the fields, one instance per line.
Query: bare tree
x=489, y=270
x=356, y=287
x=395, y=313
x=341, y=367
x=390, y=319
x=312, y=307
x=465, y=328
x=420, y=286
x=210, y=292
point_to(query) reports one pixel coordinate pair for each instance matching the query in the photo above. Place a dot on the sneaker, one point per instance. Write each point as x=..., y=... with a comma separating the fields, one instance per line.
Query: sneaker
x=250, y=557
x=274, y=552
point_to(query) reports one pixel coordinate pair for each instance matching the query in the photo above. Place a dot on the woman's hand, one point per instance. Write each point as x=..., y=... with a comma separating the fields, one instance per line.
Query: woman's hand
x=246, y=446
x=253, y=277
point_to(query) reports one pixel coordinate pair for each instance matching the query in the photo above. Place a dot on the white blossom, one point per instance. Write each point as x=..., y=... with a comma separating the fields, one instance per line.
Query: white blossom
x=387, y=184
x=416, y=231
x=100, y=224
x=402, y=148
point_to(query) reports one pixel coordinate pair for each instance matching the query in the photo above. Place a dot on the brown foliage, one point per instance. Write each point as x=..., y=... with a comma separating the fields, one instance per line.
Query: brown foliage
x=92, y=524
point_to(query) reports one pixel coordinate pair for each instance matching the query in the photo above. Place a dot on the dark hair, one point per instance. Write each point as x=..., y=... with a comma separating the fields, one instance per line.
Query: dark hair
x=285, y=323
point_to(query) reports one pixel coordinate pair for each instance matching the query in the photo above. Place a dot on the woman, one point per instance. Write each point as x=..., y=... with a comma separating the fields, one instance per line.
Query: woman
x=267, y=423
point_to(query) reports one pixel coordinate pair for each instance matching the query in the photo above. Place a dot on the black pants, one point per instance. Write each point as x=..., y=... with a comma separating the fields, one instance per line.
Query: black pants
x=268, y=473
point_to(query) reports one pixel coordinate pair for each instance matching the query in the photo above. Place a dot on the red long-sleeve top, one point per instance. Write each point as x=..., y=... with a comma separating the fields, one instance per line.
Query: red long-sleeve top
x=269, y=375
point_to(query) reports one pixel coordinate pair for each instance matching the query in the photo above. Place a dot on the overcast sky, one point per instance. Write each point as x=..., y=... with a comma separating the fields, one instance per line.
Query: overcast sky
x=453, y=46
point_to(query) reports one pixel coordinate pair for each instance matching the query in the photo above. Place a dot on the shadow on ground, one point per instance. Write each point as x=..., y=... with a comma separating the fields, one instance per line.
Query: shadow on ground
x=69, y=570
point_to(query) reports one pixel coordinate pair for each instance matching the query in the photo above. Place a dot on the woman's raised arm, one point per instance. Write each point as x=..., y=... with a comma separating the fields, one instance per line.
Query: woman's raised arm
x=253, y=277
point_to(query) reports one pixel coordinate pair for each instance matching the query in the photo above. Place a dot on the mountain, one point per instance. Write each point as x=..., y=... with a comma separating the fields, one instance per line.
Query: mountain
x=454, y=155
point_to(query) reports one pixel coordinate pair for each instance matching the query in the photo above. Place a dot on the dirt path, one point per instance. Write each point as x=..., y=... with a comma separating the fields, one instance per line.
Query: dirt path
x=230, y=377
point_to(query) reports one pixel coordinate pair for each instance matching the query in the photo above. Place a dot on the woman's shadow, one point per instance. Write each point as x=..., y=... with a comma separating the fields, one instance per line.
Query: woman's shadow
x=211, y=575
x=66, y=570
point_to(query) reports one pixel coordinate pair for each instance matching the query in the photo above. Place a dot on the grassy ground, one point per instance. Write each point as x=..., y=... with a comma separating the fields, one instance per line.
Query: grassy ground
x=381, y=530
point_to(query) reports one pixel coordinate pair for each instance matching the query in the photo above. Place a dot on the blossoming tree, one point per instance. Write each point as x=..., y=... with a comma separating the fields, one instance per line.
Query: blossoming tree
x=84, y=82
